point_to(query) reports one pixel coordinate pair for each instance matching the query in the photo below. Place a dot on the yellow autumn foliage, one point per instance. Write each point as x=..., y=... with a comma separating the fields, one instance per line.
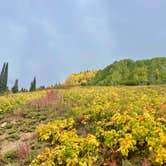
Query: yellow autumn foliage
x=117, y=120
x=81, y=78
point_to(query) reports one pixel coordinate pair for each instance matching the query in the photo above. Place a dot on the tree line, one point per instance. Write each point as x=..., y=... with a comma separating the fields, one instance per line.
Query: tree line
x=123, y=72
x=130, y=72
x=4, y=82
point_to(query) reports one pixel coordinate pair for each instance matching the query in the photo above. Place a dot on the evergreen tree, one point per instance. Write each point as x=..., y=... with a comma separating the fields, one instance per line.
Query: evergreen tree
x=23, y=90
x=6, y=75
x=1, y=78
x=33, y=85
x=2, y=71
x=4, y=78
x=15, y=87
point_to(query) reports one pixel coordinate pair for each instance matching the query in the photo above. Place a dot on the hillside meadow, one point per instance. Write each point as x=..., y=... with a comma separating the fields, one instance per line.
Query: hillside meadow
x=84, y=126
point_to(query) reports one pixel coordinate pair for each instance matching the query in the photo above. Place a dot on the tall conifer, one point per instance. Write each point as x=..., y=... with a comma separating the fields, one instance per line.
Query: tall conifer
x=33, y=85
x=4, y=78
x=15, y=87
x=2, y=71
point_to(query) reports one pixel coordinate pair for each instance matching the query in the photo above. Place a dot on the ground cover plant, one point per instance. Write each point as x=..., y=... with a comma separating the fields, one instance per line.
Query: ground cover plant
x=85, y=126
x=107, y=126
x=10, y=101
x=18, y=141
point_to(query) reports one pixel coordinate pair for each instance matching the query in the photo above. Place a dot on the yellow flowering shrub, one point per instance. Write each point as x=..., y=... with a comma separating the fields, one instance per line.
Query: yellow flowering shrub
x=8, y=102
x=118, y=122
x=67, y=147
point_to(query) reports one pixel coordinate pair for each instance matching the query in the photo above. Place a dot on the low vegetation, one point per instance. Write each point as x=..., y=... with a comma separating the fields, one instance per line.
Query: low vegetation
x=88, y=126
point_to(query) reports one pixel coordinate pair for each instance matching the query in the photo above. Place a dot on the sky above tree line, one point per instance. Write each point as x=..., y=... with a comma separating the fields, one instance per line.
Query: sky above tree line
x=50, y=39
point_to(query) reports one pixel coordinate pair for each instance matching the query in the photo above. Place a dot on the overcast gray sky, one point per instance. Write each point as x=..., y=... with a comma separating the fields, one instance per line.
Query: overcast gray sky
x=50, y=39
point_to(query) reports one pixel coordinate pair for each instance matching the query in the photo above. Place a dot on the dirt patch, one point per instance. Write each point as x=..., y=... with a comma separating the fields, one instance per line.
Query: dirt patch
x=8, y=146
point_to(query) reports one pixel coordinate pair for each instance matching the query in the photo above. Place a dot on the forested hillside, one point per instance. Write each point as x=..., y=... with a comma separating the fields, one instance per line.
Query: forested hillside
x=129, y=72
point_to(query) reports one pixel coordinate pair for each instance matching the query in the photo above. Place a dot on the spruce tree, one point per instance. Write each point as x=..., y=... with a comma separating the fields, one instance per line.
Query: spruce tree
x=33, y=85
x=23, y=90
x=2, y=72
x=4, y=78
x=15, y=87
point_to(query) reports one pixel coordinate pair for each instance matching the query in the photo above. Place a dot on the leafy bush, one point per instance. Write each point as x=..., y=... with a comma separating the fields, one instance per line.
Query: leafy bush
x=123, y=122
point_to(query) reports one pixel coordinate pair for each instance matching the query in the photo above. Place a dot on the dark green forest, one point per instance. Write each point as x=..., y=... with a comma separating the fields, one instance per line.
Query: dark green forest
x=130, y=72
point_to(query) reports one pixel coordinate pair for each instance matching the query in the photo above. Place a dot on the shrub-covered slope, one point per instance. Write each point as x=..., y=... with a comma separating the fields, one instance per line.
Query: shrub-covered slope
x=86, y=126
x=107, y=126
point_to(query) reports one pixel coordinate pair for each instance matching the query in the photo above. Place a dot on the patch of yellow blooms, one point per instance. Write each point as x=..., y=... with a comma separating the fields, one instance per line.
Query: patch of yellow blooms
x=80, y=79
x=123, y=119
x=9, y=102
